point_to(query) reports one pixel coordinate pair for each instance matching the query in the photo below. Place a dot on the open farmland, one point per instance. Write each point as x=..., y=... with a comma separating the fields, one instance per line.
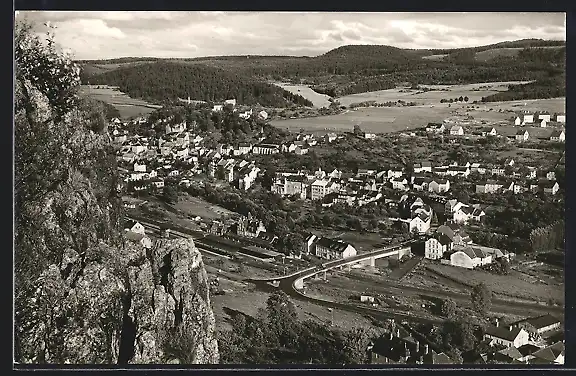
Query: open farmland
x=128, y=107
x=319, y=100
x=474, y=92
x=515, y=284
x=195, y=206
x=375, y=120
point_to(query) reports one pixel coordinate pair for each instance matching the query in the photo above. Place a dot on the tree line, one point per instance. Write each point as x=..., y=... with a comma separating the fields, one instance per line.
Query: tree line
x=163, y=80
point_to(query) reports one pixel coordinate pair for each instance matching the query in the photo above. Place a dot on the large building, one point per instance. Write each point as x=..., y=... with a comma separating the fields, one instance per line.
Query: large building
x=331, y=249
x=436, y=246
x=508, y=336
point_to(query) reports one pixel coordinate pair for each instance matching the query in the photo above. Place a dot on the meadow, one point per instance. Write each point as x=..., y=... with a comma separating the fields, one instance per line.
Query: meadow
x=319, y=100
x=128, y=107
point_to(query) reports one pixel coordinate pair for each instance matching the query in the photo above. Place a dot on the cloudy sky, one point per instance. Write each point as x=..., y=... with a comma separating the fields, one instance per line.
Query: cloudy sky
x=98, y=35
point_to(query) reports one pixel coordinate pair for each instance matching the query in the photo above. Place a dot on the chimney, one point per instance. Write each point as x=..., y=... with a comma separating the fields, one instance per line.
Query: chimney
x=426, y=348
x=391, y=335
x=497, y=322
x=510, y=328
x=398, y=333
x=417, y=346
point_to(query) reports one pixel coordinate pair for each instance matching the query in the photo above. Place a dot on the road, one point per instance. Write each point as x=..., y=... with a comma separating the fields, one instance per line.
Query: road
x=286, y=284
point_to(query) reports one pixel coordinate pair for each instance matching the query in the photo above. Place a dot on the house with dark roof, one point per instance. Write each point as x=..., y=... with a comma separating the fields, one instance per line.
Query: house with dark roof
x=548, y=355
x=467, y=257
x=138, y=238
x=133, y=226
x=540, y=324
x=436, y=246
x=331, y=249
x=558, y=136
x=400, y=347
x=506, y=335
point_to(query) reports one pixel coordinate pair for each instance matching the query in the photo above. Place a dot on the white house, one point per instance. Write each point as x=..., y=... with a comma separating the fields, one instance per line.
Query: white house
x=528, y=119
x=217, y=108
x=331, y=249
x=543, y=123
x=558, y=136
x=230, y=101
x=544, y=116
x=439, y=185
x=263, y=115
x=308, y=246
x=561, y=118
x=517, y=121
x=436, y=246
x=457, y=130
x=135, y=227
x=508, y=336
x=522, y=135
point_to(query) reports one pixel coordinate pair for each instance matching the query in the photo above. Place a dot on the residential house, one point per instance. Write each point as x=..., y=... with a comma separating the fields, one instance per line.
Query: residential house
x=558, y=136
x=439, y=185
x=489, y=131
x=454, y=233
x=554, y=354
x=551, y=175
x=457, y=130
x=561, y=118
x=330, y=137
x=246, y=114
x=331, y=249
x=543, y=123
x=225, y=170
x=492, y=186
x=321, y=187
x=415, y=213
x=423, y=166
x=459, y=212
x=308, y=246
x=134, y=226
x=517, y=120
x=398, y=346
x=508, y=336
x=544, y=116
x=217, y=108
x=400, y=183
x=266, y=149
x=549, y=187
x=528, y=119
x=292, y=185
x=436, y=246
x=522, y=135
x=463, y=171
x=395, y=172
x=369, y=136
x=467, y=257
x=242, y=149
x=420, y=183
x=157, y=183
x=539, y=325
x=435, y=128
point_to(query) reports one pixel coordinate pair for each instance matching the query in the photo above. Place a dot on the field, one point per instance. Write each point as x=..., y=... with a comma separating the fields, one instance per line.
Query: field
x=128, y=107
x=319, y=100
x=474, y=92
x=245, y=298
x=514, y=284
x=375, y=120
x=394, y=119
x=195, y=206
x=490, y=54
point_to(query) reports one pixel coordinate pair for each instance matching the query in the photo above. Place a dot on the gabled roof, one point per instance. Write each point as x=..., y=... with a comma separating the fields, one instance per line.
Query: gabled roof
x=134, y=236
x=540, y=322
x=550, y=353
x=336, y=245
x=556, y=133
x=503, y=332
x=521, y=132
x=528, y=349
x=512, y=352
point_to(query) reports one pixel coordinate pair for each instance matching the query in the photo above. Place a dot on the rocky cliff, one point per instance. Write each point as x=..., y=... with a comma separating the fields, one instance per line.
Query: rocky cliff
x=134, y=306
x=83, y=295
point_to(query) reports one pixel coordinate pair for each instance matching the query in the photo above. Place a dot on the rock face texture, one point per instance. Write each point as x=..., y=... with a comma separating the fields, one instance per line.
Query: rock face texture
x=157, y=311
x=83, y=295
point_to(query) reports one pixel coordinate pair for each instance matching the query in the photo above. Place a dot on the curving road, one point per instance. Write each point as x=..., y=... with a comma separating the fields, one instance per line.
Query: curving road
x=287, y=284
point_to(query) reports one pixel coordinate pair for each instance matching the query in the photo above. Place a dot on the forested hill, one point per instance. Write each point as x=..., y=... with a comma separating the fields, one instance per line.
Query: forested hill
x=163, y=80
x=360, y=68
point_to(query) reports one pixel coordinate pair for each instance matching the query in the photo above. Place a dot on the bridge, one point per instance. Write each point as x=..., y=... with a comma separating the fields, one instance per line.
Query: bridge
x=368, y=259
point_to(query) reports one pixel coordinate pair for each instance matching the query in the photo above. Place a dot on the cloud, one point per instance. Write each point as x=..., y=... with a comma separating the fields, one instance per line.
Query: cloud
x=94, y=35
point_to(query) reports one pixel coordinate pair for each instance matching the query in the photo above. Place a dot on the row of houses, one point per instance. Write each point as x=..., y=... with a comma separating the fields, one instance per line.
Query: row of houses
x=531, y=118
x=494, y=186
x=521, y=135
